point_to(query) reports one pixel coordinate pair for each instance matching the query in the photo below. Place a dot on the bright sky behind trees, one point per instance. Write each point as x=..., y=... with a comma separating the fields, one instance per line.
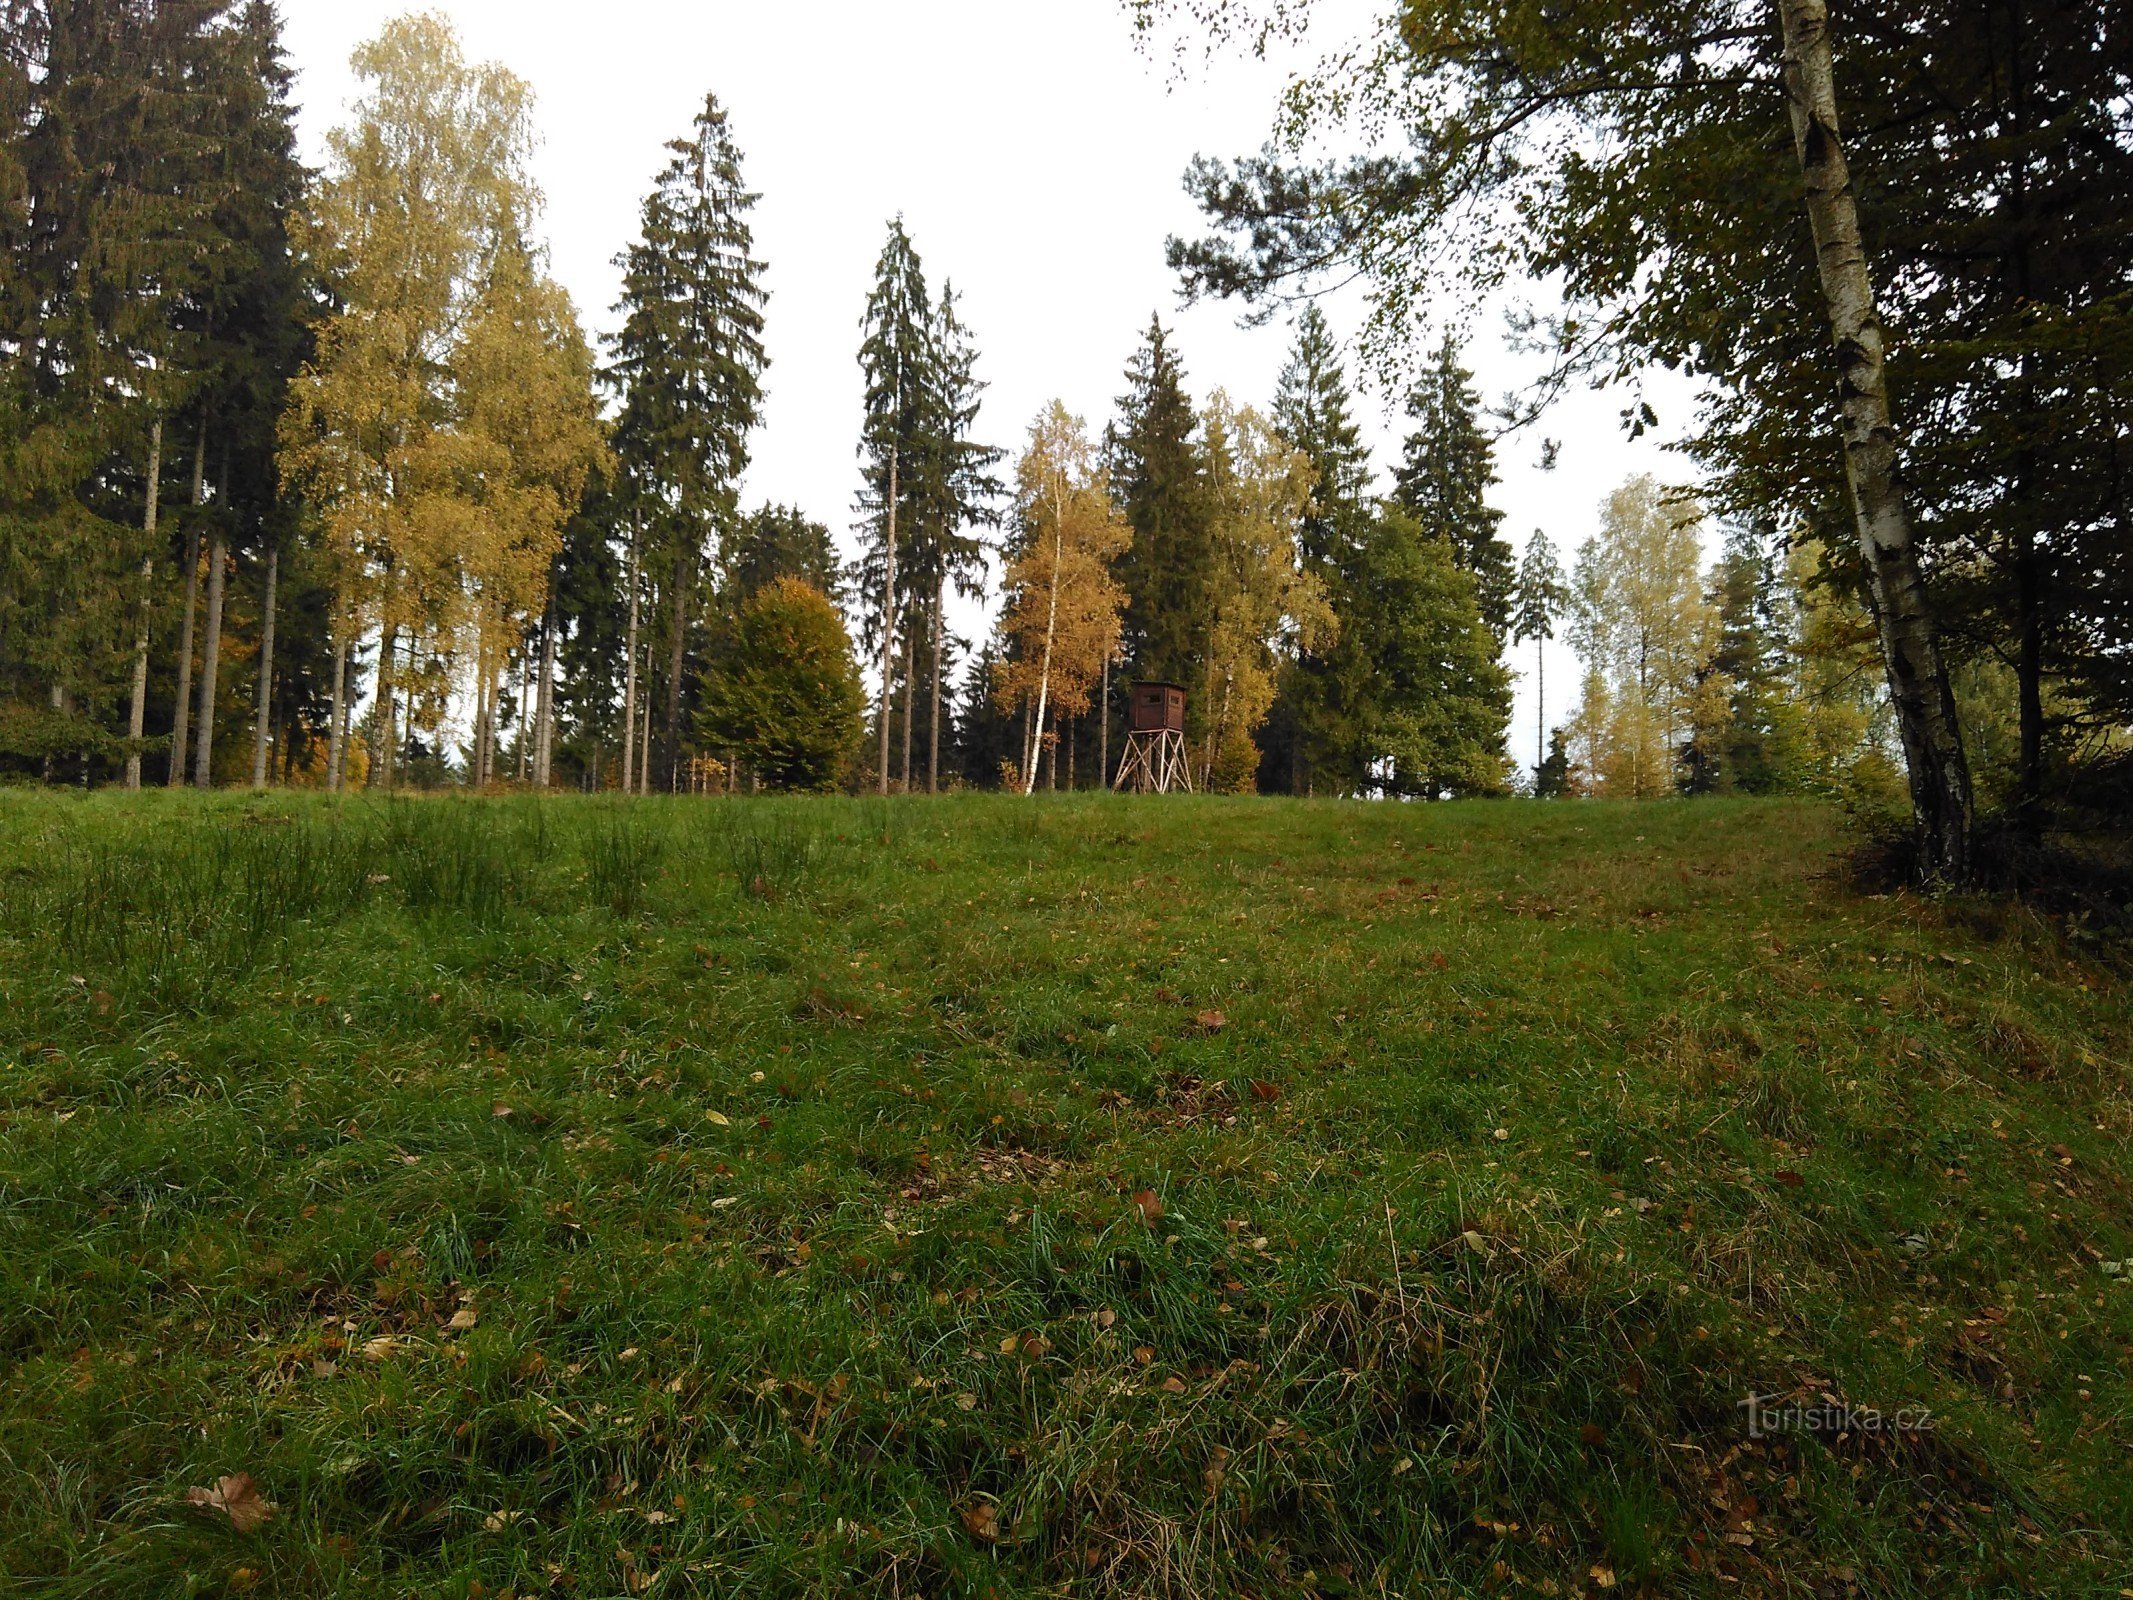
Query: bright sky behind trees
x=1036, y=156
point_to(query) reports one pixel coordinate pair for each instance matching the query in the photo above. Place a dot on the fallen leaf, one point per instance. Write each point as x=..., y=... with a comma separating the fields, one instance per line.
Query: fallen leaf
x=463, y=1319
x=499, y=1110
x=718, y=1118
x=379, y=1348
x=983, y=1521
x=1106, y=1317
x=1212, y=1021
x=1593, y=1434
x=1790, y=1179
x=1262, y=1090
x=724, y=1201
x=236, y=1497
x=1604, y=1577
x=1173, y=1385
x=1143, y=1354
x=1150, y=1205
x=1009, y=1344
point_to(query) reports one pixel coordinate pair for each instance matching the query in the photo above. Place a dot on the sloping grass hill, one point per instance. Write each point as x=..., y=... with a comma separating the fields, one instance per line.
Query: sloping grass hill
x=1083, y=1196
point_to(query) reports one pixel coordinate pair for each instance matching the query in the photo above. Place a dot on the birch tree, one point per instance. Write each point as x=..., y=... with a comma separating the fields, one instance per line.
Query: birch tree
x=1064, y=601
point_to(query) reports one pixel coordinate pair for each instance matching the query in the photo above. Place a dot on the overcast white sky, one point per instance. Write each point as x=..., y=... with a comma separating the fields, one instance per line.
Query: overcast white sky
x=1036, y=157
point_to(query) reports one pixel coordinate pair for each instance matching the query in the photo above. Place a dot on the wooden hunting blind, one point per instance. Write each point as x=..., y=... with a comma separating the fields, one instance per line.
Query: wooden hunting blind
x=1158, y=708
x=1155, y=761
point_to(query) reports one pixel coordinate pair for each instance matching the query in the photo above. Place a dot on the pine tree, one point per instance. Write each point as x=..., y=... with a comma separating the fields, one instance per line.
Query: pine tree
x=1539, y=598
x=689, y=361
x=1445, y=476
x=1158, y=474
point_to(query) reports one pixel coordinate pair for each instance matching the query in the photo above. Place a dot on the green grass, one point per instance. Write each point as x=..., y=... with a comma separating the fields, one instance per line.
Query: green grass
x=1089, y=1196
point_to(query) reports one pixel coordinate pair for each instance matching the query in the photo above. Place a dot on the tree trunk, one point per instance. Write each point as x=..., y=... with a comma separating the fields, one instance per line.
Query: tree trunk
x=933, y=725
x=180, y=726
x=677, y=656
x=1051, y=621
x=910, y=707
x=218, y=560
x=1540, y=709
x=337, y=732
x=2029, y=677
x=1103, y=727
x=1070, y=754
x=381, y=712
x=888, y=609
x=525, y=714
x=266, y=672
x=1941, y=800
x=629, y=679
x=137, y=713
x=546, y=772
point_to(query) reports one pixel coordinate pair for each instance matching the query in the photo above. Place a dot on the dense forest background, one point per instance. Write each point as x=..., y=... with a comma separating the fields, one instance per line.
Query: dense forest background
x=312, y=477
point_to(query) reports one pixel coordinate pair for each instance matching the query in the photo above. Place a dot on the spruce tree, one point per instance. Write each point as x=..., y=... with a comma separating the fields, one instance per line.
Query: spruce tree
x=108, y=120
x=1310, y=737
x=898, y=359
x=689, y=361
x=1158, y=473
x=1444, y=478
x=779, y=542
x=1439, y=699
x=953, y=499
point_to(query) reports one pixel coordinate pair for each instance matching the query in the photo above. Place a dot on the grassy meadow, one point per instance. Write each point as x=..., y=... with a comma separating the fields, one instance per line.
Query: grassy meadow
x=1081, y=1196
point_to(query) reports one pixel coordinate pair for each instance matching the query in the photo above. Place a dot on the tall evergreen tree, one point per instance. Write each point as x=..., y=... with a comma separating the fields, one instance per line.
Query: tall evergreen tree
x=1445, y=476
x=898, y=359
x=1158, y=472
x=689, y=362
x=779, y=542
x=110, y=137
x=1541, y=596
x=1311, y=727
x=1439, y=697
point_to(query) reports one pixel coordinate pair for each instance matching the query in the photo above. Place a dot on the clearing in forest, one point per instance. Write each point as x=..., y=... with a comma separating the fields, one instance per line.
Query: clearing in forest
x=1091, y=1196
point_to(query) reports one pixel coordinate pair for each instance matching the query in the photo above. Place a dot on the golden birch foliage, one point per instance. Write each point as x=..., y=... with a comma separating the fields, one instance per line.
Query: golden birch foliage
x=421, y=188
x=1263, y=604
x=1645, y=628
x=530, y=435
x=1063, y=602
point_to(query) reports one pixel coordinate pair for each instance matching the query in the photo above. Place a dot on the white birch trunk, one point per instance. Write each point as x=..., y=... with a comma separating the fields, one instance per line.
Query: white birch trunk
x=1051, y=624
x=1924, y=703
x=337, y=731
